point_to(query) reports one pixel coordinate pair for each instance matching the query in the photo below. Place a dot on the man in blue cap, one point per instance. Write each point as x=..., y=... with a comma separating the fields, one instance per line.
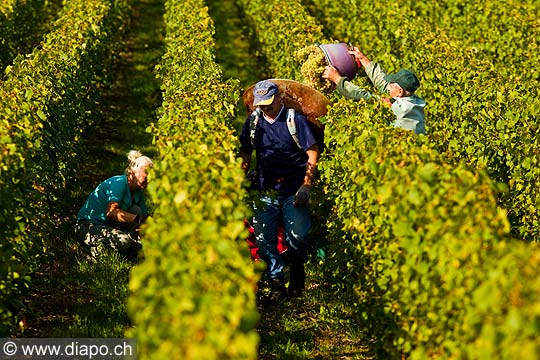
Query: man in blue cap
x=401, y=86
x=284, y=174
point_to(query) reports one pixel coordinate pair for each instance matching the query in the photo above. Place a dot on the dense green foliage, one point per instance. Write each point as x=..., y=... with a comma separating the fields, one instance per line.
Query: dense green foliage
x=476, y=62
x=279, y=36
x=422, y=254
x=47, y=102
x=433, y=238
x=447, y=289
x=193, y=297
x=22, y=23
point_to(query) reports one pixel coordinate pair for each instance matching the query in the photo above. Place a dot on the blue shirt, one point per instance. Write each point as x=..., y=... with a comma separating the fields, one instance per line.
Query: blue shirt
x=114, y=189
x=281, y=164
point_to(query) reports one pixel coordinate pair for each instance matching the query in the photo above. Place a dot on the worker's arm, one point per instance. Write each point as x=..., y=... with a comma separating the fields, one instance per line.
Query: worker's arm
x=115, y=213
x=246, y=160
x=311, y=167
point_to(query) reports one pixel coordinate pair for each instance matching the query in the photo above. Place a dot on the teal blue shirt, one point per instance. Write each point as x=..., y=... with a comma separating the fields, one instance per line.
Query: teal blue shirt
x=113, y=189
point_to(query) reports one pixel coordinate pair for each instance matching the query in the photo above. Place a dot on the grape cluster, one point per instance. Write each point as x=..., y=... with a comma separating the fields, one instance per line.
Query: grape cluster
x=313, y=64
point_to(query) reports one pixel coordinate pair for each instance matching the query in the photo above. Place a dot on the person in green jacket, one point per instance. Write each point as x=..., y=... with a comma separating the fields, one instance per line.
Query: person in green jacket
x=401, y=86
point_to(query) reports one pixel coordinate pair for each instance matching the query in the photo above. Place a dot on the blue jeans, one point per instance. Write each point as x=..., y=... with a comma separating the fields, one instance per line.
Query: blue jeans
x=297, y=223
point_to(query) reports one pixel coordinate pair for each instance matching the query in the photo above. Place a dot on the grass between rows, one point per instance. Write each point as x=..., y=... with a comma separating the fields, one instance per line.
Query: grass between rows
x=71, y=296
x=313, y=326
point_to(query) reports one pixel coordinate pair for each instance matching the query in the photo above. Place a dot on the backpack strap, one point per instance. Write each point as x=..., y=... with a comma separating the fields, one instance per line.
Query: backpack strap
x=292, y=127
x=254, y=120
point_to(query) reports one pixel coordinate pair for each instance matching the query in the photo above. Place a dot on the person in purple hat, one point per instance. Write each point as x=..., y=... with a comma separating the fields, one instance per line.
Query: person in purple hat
x=401, y=86
x=284, y=172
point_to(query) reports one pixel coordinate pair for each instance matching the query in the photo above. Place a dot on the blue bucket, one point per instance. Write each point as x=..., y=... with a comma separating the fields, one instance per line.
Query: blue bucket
x=338, y=56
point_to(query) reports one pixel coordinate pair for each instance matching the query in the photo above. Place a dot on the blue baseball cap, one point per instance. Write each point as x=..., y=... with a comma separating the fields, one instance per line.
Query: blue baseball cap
x=264, y=92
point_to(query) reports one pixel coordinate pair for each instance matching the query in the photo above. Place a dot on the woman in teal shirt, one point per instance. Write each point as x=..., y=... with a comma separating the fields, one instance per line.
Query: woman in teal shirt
x=114, y=211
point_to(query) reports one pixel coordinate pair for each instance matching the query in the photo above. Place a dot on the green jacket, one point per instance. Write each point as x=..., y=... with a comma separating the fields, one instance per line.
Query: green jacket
x=409, y=110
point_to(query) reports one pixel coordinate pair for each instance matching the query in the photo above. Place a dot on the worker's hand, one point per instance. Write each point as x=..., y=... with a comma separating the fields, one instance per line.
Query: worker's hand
x=135, y=225
x=359, y=57
x=387, y=101
x=140, y=219
x=331, y=73
x=301, y=198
